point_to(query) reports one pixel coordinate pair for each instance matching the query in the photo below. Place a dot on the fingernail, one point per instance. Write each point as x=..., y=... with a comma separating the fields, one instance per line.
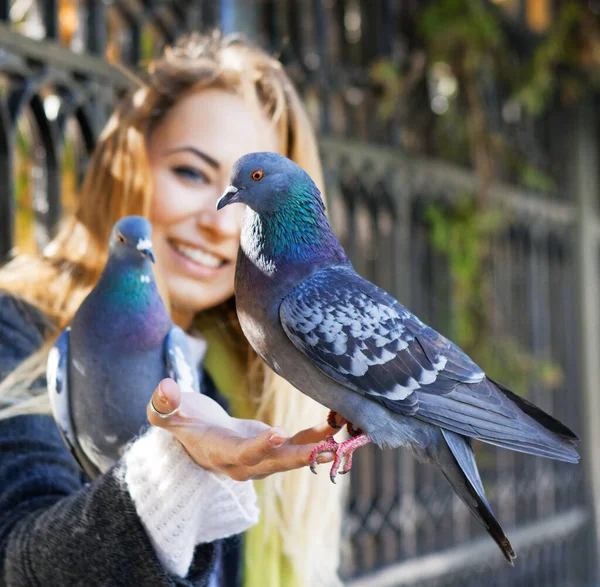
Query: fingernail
x=161, y=394
x=325, y=457
x=276, y=440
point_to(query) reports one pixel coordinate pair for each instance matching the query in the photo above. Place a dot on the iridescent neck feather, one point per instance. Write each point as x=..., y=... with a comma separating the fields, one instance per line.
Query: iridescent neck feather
x=297, y=232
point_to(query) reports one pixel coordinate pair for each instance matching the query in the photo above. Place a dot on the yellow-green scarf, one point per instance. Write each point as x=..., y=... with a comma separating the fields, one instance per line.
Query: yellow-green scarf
x=265, y=565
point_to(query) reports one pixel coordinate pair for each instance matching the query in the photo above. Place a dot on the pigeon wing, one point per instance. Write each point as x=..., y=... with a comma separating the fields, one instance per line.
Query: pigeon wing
x=364, y=339
x=57, y=376
x=181, y=365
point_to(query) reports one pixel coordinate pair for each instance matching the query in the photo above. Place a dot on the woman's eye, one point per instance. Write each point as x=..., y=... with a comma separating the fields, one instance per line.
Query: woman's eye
x=190, y=173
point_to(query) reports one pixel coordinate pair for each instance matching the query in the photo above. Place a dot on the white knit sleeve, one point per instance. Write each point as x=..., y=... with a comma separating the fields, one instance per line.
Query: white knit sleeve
x=180, y=503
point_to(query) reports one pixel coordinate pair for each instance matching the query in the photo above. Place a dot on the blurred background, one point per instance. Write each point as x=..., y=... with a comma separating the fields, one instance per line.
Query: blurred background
x=461, y=147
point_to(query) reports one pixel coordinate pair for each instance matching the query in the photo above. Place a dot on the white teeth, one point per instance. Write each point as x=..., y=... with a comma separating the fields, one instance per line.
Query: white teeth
x=197, y=255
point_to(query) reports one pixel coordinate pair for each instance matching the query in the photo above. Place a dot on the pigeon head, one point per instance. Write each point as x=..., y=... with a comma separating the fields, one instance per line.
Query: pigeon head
x=286, y=221
x=130, y=239
x=268, y=183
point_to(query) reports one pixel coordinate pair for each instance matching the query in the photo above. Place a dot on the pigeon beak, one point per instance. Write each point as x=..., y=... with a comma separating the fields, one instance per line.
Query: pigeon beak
x=148, y=253
x=230, y=196
x=144, y=246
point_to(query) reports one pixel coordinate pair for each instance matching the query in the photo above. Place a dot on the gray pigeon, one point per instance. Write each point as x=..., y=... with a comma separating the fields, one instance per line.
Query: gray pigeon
x=103, y=368
x=352, y=347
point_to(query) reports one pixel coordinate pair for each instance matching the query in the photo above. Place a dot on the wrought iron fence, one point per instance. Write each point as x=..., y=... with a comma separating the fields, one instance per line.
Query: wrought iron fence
x=56, y=100
x=56, y=90
x=404, y=526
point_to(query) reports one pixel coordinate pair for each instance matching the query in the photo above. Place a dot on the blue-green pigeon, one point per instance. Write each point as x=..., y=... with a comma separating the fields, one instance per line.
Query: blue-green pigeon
x=352, y=347
x=121, y=342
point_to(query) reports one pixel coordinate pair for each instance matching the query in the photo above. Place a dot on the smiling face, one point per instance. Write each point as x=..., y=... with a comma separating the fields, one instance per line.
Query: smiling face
x=191, y=154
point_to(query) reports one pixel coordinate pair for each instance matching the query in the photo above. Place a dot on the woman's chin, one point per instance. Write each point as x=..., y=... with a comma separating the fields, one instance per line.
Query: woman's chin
x=191, y=296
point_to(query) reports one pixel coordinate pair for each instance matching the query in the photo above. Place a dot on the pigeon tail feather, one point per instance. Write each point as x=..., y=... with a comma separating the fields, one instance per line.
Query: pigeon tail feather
x=460, y=470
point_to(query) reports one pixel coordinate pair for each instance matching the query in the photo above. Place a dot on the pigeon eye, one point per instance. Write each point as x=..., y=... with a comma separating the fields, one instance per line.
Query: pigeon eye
x=257, y=175
x=121, y=238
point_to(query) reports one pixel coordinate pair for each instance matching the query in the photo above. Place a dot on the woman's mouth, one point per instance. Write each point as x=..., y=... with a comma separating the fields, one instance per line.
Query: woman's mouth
x=197, y=255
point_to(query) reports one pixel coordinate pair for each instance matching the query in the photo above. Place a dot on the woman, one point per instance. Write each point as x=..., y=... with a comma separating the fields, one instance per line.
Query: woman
x=158, y=516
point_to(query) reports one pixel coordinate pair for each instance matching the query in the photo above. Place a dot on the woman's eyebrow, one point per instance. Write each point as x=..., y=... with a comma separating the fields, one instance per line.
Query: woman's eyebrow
x=207, y=158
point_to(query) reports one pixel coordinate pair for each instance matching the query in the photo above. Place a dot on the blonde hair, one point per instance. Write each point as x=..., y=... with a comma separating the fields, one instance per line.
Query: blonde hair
x=306, y=510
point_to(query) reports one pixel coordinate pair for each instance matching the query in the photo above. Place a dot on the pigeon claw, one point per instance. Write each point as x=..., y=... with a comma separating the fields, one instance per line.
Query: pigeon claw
x=342, y=450
x=329, y=445
x=333, y=422
x=352, y=430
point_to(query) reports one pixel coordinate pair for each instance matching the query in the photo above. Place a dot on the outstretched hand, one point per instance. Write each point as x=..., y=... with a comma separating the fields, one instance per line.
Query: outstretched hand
x=241, y=449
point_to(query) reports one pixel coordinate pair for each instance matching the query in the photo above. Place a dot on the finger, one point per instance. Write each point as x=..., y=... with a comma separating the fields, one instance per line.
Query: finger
x=165, y=399
x=314, y=434
x=287, y=458
x=254, y=450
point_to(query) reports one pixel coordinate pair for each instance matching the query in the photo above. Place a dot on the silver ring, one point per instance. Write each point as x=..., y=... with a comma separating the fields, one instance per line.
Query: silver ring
x=160, y=414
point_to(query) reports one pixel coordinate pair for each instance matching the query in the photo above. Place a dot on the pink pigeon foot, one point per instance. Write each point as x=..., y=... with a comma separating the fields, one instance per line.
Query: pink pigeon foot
x=342, y=450
x=329, y=445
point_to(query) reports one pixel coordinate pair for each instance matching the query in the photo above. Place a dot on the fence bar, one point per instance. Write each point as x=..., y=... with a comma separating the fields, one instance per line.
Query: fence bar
x=585, y=158
x=435, y=176
x=50, y=12
x=60, y=57
x=96, y=27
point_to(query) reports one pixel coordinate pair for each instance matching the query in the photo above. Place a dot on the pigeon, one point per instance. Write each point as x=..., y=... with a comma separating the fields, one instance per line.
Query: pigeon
x=121, y=343
x=354, y=348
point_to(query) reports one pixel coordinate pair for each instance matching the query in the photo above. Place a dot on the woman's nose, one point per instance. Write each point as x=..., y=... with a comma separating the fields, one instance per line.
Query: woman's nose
x=225, y=222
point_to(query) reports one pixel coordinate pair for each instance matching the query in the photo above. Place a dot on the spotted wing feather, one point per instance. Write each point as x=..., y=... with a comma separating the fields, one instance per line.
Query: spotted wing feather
x=363, y=338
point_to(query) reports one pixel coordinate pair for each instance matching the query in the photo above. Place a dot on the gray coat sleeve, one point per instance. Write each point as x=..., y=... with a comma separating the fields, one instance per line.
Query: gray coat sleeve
x=56, y=530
